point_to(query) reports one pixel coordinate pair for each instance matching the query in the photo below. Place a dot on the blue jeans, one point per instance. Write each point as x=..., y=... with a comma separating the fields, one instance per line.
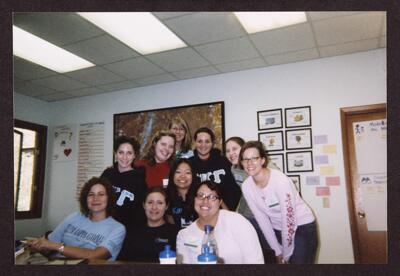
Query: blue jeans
x=305, y=243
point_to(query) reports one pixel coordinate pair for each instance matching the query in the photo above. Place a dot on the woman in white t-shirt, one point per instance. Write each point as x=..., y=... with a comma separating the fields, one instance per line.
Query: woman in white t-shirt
x=285, y=219
x=237, y=241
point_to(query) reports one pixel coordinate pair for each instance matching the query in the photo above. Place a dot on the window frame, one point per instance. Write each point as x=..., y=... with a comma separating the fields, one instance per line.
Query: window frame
x=39, y=174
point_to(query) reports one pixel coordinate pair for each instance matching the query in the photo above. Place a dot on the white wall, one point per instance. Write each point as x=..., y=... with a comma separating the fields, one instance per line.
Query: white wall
x=326, y=84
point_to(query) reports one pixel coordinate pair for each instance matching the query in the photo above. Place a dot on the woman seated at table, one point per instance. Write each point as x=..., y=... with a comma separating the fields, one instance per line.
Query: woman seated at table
x=180, y=191
x=146, y=243
x=237, y=241
x=91, y=233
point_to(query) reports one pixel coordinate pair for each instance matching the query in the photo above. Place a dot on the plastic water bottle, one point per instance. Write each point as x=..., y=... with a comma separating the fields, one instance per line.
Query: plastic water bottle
x=167, y=256
x=209, y=240
x=207, y=257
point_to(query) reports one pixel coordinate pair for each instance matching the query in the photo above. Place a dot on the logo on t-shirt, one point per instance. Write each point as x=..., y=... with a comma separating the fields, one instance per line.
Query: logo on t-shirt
x=215, y=176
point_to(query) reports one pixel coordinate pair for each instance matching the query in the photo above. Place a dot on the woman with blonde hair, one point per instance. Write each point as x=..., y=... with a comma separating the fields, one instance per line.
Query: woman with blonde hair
x=183, y=146
x=158, y=159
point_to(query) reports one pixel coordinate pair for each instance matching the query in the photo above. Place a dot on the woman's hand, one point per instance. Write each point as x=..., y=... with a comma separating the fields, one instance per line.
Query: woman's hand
x=43, y=244
x=280, y=260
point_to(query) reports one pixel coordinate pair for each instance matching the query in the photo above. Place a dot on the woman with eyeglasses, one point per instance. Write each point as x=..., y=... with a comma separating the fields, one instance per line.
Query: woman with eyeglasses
x=183, y=146
x=209, y=164
x=285, y=219
x=180, y=191
x=236, y=238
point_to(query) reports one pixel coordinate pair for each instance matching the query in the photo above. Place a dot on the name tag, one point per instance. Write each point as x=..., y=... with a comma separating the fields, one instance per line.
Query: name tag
x=165, y=182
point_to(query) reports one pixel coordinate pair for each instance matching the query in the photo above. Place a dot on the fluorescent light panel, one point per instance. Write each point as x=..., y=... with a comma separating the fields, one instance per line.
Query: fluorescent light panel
x=42, y=52
x=255, y=22
x=141, y=31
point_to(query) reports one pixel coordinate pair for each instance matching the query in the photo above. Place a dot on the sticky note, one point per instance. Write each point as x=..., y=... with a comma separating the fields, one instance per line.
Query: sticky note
x=320, y=139
x=322, y=191
x=325, y=202
x=332, y=180
x=312, y=180
x=326, y=170
x=329, y=149
x=321, y=159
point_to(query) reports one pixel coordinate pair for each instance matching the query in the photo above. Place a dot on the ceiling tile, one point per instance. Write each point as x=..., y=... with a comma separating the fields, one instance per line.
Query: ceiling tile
x=118, y=86
x=292, y=56
x=95, y=76
x=241, y=65
x=102, y=49
x=27, y=70
x=167, y=15
x=59, y=28
x=156, y=79
x=228, y=50
x=288, y=39
x=347, y=48
x=30, y=89
x=134, y=68
x=326, y=14
x=55, y=97
x=178, y=60
x=349, y=28
x=197, y=72
x=60, y=83
x=204, y=27
x=85, y=91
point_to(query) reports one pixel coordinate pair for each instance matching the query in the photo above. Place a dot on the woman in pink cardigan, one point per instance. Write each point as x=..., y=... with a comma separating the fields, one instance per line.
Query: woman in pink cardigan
x=286, y=221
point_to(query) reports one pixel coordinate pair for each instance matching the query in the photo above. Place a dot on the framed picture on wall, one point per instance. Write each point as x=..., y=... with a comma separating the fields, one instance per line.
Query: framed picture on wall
x=298, y=116
x=269, y=119
x=278, y=160
x=272, y=141
x=296, y=181
x=144, y=124
x=299, y=161
x=298, y=139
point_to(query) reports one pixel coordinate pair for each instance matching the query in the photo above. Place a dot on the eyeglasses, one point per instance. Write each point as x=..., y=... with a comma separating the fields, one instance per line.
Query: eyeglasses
x=210, y=197
x=252, y=160
x=178, y=129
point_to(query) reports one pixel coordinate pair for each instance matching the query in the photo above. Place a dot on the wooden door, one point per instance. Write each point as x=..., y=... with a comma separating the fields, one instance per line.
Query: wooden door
x=364, y=137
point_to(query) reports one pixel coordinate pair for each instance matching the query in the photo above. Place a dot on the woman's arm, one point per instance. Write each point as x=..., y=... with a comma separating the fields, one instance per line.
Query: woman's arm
x=43, y=244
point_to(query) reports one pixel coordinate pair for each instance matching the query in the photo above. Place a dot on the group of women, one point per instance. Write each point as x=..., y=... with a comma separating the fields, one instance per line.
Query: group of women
x=137, y=207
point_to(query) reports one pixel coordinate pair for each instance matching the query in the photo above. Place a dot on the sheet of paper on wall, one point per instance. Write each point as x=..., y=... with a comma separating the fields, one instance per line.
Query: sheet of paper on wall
x=64, y=143
x=91, y=152
x=374, y=201
x=329, y=148
x=370, y=139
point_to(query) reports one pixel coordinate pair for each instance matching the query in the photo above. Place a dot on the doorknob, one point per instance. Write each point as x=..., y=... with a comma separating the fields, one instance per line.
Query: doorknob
x=361, y=214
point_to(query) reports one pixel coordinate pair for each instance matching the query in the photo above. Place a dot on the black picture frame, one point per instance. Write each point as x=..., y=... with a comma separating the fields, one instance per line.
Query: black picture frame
x=298, y=116
x=298, y=139
x=299, y=161
x=273, y=141
x=269, y=119
x=278, y=157
x=296, y=179
x=144, y=124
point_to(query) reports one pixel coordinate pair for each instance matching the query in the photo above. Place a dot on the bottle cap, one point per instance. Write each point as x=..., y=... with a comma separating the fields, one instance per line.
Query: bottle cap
x=167, y=252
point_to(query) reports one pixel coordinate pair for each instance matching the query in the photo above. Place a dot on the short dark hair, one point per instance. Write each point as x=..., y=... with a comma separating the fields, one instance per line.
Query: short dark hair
x=127, y=140
x=258, y=146
x=149, y=156
x=156, y=190
x=86, y=189
x=206, y=130
x=211, y=185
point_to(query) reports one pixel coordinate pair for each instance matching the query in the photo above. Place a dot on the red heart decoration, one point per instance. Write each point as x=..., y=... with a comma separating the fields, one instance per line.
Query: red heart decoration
x=67, y=152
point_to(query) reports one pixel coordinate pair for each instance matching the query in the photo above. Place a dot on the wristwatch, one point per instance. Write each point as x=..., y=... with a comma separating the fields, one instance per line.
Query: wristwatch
x=61, y=248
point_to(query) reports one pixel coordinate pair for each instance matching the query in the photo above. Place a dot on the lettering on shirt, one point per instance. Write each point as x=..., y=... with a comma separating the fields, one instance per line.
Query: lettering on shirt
x=84, y=235
x=177, y=210
x=123, y=195
x=160, y=240
x=216, y=176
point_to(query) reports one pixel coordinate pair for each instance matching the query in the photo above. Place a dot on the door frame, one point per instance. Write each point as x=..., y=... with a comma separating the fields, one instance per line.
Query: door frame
x=346, y=112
